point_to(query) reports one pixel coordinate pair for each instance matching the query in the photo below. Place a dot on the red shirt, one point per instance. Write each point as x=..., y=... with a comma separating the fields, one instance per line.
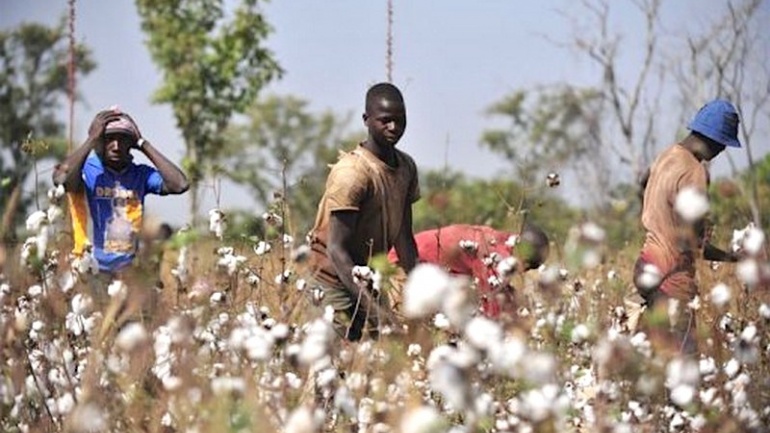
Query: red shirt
x=482, y=248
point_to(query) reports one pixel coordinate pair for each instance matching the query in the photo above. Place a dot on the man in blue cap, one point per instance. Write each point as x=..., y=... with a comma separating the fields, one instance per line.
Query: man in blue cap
x=665, y=268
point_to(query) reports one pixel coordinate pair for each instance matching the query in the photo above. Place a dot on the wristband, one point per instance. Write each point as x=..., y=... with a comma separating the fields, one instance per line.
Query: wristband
x=140, y=143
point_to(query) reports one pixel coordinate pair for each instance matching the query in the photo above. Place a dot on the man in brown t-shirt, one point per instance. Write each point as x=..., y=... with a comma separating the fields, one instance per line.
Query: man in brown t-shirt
x=666, y=265
x=366, y=209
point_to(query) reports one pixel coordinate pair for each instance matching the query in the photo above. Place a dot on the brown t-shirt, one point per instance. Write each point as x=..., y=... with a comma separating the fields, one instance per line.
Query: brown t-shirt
x=669, y=243
x=380, y=194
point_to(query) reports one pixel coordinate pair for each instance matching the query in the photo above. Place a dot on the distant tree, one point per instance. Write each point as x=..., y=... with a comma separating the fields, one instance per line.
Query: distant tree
x=33, y=83
x=600, y=132
x=449, y=197
x=548, y=129
x=283, y=150
x=730, y=58
x=214, y=65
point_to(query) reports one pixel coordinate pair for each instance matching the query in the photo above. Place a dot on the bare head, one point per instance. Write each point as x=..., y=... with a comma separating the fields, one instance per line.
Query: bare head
x=533, y=246
x=385, y=114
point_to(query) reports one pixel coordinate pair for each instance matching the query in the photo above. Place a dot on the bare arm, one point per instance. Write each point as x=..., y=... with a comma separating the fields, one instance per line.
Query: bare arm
x=406, y=248
x=341, y=235
x=174, y=180
x=710, y=252
x=67, y=172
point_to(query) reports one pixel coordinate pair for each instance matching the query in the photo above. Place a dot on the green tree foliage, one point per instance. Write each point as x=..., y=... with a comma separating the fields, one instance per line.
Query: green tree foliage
x=545, y=129
x=731, y=208
x=214, y=65
x=452, y=198
x=283, y=151
x=33, y=83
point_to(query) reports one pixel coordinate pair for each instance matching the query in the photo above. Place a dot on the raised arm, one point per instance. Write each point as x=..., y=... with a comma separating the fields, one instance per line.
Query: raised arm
x=174, y=179
x=67, y=172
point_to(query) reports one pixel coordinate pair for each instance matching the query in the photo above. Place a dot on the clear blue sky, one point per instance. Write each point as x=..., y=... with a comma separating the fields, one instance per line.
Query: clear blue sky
x=452, y=59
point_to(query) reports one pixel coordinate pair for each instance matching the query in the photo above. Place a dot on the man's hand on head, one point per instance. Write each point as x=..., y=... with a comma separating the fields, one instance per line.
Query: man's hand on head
x=98, y=125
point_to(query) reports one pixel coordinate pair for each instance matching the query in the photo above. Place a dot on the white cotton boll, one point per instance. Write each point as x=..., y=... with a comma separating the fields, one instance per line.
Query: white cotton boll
x=117, y=289
x=362, y=275
x=507, y=266
x=649, y=278
x=422, y=419
x=41, y=241
x=180, y=271
x=753, y=242
x=720, y=295
x=707, y=366
x=691, y=204
x=748, y=272
x=345, y=403
x=36, y=220
x=223, y=386
x=216, y=298
x=132, y=336
x=272, y=219
x=288, y=239
x=88, y=417
x=424, y=290
x=469, y=246
x=451, y=382
x=259, y=347
x=748, y=240
x=414, y=349
x=317, y=342
x=56, y=192
x=217, y=222
x=81, y=304
x=262, y=248
x=283, y=277
x=682, y=371
x=505, y=357
x=171, y=383
x=54, y=214
x=764, y=311
x=35, y=290
x=294, y=381
x=580, y=333
x=483, y=333
x=682, y=395
x=591, y=232
x=65, y=404
x=280, y=332
x=676, y=423
x=538, y=403
x=252, y=279
x=457, y=305
x=539, y=368
x=749, y=333
x=441, y=321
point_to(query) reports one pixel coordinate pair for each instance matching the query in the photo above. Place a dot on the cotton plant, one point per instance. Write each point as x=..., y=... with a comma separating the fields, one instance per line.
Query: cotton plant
x=181, y=271
x=229, y=261
x=217, y=223
x=81, y=319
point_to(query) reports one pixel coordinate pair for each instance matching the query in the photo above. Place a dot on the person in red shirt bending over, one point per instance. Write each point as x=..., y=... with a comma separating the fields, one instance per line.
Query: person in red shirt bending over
x=476, y=251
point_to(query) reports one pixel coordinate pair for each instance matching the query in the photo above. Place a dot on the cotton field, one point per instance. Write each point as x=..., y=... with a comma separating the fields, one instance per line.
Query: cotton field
x=236, y=340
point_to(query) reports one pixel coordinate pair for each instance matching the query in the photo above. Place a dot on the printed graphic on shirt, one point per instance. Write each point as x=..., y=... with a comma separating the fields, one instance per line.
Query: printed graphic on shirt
x=119, y=235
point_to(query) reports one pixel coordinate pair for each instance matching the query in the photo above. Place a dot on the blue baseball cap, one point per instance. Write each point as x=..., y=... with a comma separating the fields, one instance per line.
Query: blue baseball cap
x=717, y=120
